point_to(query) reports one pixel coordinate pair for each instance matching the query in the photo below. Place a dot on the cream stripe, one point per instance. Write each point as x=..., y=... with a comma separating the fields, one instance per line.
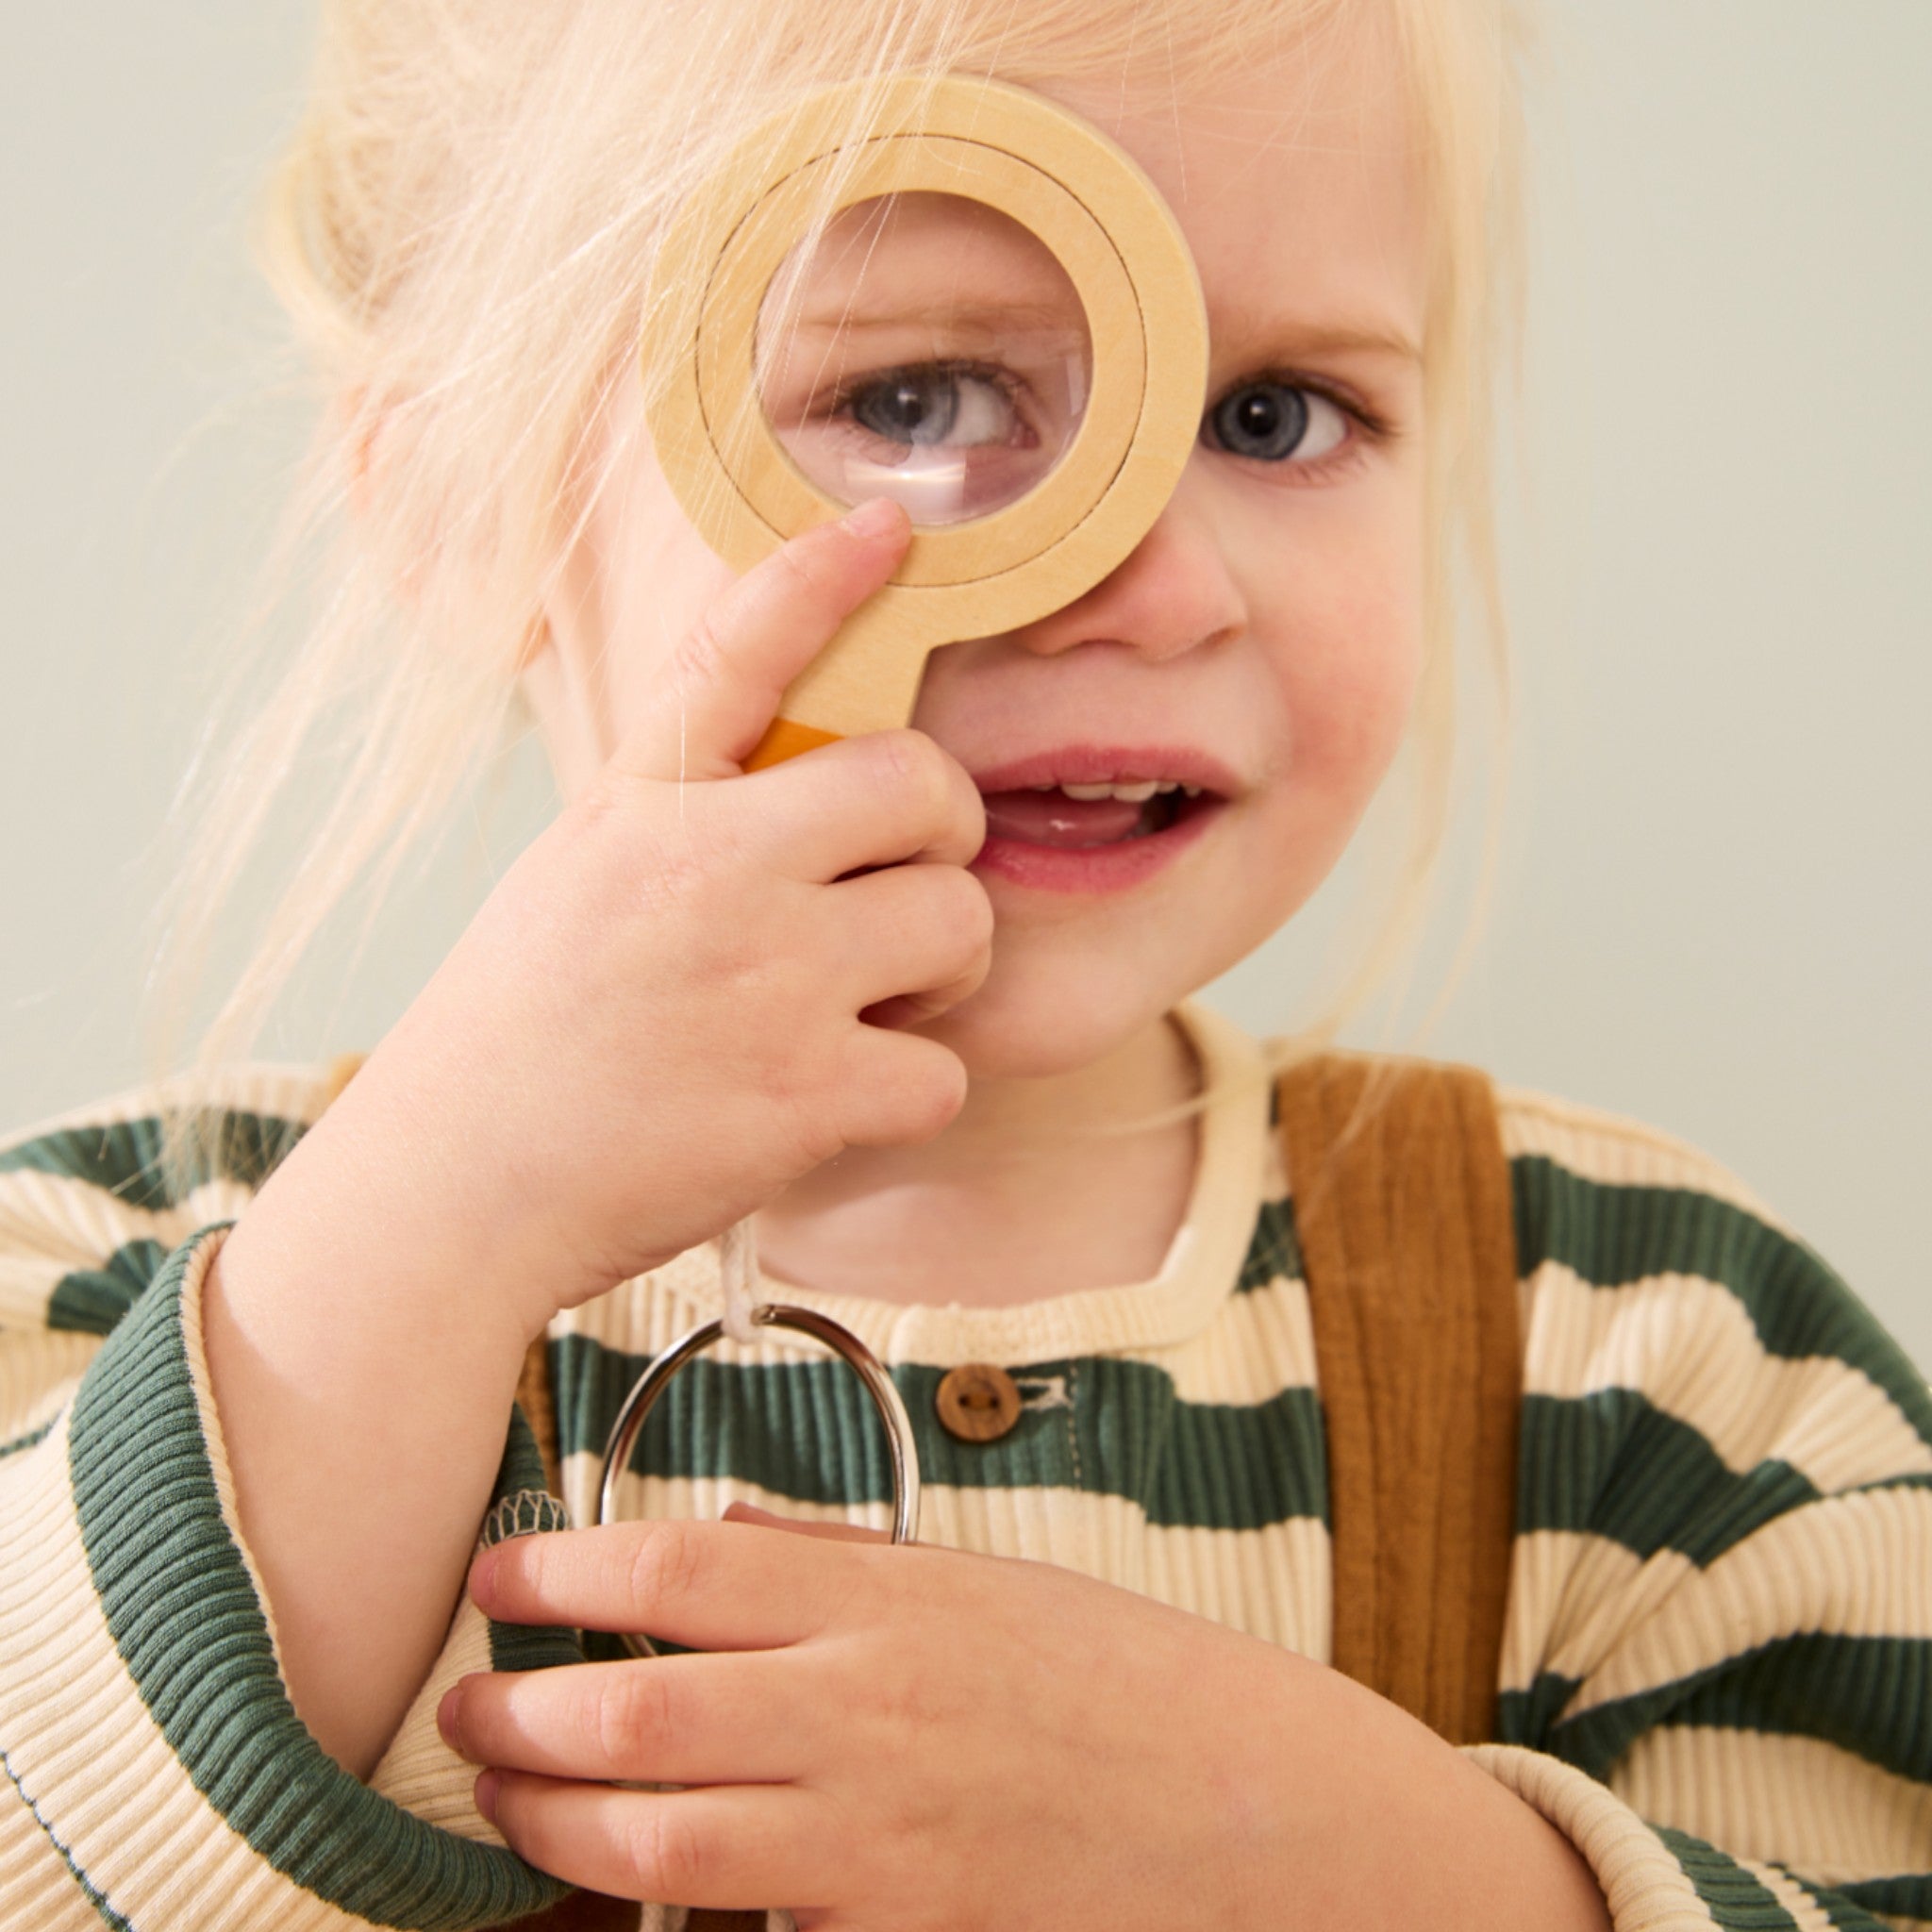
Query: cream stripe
x=1644, y=1886
x=59, y=1218
x=1573, y=1597
x=1854, y=1567
x=1274, y=1583
x=1689, y=1346
x=149, y=1842
x=37, y=1373
x=420, y=1772
x=40, y=1893
x=284, y=1088
x=1604, y=1147
x=1821, y=1810
x=34, y=1257
x=1261, y=1343
x=1808, y=1915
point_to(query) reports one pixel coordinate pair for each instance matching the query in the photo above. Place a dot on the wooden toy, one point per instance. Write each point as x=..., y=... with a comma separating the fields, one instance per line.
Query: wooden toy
x=1146, y=331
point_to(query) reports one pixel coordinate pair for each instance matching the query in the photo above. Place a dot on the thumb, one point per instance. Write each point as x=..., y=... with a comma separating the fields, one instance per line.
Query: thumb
x=725, y=679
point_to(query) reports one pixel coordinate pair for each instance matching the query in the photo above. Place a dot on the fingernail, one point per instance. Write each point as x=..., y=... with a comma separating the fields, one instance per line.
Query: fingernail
x=485, y=1796
x=481, y=1571
x=873, y=519
x=446, y=1714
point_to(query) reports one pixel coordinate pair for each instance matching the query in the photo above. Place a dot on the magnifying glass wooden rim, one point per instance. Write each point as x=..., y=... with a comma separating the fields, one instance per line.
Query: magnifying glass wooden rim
x=1106, y=222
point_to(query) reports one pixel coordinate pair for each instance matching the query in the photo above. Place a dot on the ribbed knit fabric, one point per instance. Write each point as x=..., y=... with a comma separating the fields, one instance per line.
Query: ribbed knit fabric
x=1715, y=1669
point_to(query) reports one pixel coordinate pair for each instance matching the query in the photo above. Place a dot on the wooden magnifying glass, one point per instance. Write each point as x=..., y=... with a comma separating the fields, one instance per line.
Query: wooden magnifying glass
x=950, y=291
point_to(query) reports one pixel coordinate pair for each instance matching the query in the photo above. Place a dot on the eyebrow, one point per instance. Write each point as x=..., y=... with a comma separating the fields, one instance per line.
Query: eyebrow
x=1241, y=330
x=990, y=316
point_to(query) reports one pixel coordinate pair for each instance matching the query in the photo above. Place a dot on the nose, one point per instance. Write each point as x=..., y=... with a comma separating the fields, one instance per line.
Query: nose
x=1173, y=593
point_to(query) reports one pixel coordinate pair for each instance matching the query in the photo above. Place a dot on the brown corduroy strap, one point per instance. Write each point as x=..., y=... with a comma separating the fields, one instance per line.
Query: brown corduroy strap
x=1402, y=1208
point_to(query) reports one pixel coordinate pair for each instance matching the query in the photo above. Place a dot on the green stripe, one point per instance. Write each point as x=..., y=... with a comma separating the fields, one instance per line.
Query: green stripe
x=104, y=1911
x=91, y=1301
x=1528, y=1716
x=1614, y=1235
x=1907, y=1896
x=807, y=1431
x=1274, y=1253
x=124, y=1157
x=527, y=1647
x=1611, y=1465
x=1733, y=1896
x=19, y=1443
x=185, y=1620
x=1870, y=1695
x=1866, y=1693
x=1838, y=1909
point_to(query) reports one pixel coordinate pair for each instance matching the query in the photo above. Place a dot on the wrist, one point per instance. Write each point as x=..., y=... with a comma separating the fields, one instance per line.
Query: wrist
x=375, y=1212
x=1390, y=1826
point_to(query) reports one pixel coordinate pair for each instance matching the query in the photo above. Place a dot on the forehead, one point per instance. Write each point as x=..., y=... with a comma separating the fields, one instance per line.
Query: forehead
x=1296, y=183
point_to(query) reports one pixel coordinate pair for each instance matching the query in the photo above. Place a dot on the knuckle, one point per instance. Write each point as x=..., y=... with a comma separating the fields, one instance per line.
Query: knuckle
x=913, y=770
x=666, y=1567
x=968, y=910
x=632, y=1716
x=802, y=569
x=934, y=1097
x=699, y=660
x=667, y=1855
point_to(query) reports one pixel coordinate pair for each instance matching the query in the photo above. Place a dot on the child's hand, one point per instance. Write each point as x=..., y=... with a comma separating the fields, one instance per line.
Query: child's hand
x=915, y=1739
x=654, y=1025
x=896, y=1737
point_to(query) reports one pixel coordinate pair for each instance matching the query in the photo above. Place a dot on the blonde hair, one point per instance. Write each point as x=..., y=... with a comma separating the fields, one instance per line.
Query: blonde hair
x=462, y=229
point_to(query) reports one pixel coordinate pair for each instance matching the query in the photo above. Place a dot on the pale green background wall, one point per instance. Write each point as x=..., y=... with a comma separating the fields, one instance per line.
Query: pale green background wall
x=1716, y=908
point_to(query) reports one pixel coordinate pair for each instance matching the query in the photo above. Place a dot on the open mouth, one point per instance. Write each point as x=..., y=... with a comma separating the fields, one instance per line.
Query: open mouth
x=1073, y=817
x=1094, y=819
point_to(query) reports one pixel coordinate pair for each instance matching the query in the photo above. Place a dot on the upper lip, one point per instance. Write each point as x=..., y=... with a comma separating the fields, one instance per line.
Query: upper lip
x=1102, y=764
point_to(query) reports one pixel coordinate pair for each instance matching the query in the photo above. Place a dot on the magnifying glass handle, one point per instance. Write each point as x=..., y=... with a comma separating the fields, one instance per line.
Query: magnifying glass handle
x=787, y=739
x=866, y=679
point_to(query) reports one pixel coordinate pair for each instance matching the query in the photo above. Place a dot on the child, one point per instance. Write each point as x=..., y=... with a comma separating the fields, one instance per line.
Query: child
x=898, y=1004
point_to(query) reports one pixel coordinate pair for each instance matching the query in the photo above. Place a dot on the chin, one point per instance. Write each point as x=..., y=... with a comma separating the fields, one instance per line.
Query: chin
x=1036, y=1020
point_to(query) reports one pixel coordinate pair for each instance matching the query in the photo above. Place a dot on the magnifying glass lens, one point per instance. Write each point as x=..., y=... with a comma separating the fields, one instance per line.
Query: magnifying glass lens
x=928, y=348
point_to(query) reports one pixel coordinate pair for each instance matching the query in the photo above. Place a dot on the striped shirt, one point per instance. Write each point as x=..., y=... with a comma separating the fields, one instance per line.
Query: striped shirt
x=1717, y=1666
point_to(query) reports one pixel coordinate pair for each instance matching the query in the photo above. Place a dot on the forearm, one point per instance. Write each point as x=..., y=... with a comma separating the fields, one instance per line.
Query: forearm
x=363, y=1368
x=1391, y=1826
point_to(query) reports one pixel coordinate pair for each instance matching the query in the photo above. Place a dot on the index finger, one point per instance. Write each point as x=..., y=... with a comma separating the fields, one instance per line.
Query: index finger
x=710, y=1586
x=722, y=688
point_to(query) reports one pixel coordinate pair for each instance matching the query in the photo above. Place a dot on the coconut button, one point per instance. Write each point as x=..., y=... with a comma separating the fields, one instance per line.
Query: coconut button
x=977, y=1402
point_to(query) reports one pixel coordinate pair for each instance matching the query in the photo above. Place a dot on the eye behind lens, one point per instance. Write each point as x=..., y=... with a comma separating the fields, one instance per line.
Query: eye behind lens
x=904, y=409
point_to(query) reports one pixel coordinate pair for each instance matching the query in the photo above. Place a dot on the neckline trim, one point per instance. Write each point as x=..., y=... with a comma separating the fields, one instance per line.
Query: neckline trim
x=1200, y=1268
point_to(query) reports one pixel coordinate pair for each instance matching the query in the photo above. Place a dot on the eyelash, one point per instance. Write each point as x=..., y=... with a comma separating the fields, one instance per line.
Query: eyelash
x=1374, y=429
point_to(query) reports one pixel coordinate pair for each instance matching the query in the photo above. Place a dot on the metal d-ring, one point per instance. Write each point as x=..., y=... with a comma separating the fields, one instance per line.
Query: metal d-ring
x=878, y=1384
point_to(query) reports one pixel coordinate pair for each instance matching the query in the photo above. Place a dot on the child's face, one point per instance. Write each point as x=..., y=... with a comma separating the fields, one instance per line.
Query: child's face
x=1263, y=641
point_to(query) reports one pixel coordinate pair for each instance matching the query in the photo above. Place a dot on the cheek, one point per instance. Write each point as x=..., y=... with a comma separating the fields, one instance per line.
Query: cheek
x=1348, y=650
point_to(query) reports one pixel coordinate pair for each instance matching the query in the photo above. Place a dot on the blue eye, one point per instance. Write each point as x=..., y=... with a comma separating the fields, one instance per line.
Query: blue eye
x=1271, y=422
x=936, y=403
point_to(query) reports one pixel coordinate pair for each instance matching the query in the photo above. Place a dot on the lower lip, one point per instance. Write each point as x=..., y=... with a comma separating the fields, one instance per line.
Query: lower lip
x=1095, y=869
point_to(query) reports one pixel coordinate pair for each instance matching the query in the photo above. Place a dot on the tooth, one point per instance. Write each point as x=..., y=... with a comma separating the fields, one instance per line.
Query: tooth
x=1192, y=791
x=1043, y=788
x=1087, y=793
x=1166, y=786
x=1136, y=794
